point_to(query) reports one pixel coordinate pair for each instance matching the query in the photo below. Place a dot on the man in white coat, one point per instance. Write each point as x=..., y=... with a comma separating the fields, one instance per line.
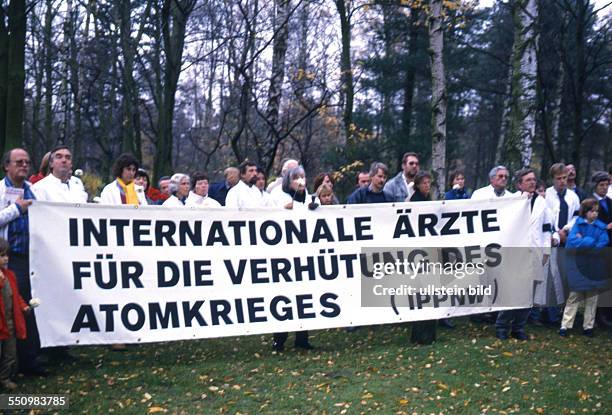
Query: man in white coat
x=539, y=238
x=245, y=194
x=60, y=185
x=564, y=205
x=498, y=179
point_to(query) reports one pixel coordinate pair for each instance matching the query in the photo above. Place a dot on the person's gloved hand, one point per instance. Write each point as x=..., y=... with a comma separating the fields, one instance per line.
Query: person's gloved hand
x=312, y=205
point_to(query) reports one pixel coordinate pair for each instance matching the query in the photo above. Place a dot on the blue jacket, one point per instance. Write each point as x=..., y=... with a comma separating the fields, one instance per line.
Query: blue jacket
x=585, y=260
x=456, y=194
x=594, y=235
x=396, y=188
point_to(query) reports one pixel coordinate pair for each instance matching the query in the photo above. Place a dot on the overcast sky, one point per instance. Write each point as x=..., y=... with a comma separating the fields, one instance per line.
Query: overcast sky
x=598, y=4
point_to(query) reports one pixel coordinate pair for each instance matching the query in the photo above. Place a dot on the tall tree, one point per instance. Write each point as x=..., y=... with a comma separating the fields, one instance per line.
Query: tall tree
x=521, y=132
x=12, y=75
x=438, y=96
x=279, y=51
x=173, y=20
x=346, y=68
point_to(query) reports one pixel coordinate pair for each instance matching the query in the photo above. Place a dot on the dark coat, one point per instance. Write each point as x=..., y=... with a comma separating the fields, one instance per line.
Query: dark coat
x=365, y=195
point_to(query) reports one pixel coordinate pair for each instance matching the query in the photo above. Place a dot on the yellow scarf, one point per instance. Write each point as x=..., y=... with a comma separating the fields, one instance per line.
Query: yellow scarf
x=129, y=191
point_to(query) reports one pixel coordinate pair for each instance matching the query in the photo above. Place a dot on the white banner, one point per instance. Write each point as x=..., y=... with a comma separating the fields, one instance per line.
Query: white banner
x=125, y=274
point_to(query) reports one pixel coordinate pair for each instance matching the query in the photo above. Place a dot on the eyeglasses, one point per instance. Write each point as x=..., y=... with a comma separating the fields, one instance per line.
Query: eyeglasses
x=502, y=176
x=22, y=162
x=413, y=163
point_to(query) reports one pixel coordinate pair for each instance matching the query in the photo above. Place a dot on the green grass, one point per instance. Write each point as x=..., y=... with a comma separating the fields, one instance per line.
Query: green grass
x=371, y=370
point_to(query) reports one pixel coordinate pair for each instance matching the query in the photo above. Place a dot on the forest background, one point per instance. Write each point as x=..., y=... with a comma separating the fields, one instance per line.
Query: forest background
x=191, y=85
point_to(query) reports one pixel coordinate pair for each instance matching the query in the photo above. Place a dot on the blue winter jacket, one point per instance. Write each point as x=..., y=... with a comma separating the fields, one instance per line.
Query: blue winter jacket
x=585, y=257
x=453, y=194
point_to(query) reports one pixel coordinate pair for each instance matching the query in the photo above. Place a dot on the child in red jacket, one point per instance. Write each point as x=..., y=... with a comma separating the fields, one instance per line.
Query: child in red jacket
x=12, y=321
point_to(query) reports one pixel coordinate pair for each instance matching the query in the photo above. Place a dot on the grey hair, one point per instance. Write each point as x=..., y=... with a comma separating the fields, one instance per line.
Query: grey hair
x=175, y=181
x=286, y=165
x=291, y=174
x=495, y=169
x=377, y=165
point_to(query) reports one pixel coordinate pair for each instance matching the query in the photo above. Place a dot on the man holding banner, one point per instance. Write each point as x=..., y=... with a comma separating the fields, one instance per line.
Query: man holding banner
x=16, y=196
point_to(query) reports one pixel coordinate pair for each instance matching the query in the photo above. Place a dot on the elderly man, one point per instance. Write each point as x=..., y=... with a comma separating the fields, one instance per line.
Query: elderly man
x=374, y=192
x=287, y=165
x=15, y=196
x=539, y=238
x=60, y=185
x=401, y=187
x=498, y=179
x=245, y=194
x=219, y=191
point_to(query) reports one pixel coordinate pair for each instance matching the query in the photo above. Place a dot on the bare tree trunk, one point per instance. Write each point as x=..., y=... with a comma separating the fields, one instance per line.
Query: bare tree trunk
x=519, y=146
x=16, y=74
x=580, y=76
x=409, y=86
x=281, y=29
x=131, y=130
x=438, y=97
x=48, y=70
x=4, y=46
x=174, y=15
x=505, y=121
x=346, y=68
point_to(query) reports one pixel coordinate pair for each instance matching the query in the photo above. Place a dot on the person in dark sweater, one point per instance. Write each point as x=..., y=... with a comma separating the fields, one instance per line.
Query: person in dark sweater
x=422, y=187
x=373, y=193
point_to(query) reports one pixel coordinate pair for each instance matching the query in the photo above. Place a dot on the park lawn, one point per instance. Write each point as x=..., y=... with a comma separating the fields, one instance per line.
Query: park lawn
x=467, y=371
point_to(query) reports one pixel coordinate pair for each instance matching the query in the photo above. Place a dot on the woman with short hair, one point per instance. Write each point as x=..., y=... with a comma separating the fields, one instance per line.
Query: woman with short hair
x=179, y=190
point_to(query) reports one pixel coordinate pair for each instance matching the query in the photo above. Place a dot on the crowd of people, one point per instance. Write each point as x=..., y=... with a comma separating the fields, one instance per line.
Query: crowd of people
x=562, y=215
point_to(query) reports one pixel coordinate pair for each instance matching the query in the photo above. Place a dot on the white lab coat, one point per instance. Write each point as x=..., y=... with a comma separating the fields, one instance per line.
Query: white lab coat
x=243, y=196
x=112, y=196
x=52, y=189
x=488, y=192
x=195, y=200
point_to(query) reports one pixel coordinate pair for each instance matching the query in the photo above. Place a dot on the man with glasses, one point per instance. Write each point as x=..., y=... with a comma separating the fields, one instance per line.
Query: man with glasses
x=401, y=187
x=15, y=197
x=498, y=179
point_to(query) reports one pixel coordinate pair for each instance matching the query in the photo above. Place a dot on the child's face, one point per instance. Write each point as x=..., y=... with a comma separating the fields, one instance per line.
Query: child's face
x=4, y=259
x=592, y=215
